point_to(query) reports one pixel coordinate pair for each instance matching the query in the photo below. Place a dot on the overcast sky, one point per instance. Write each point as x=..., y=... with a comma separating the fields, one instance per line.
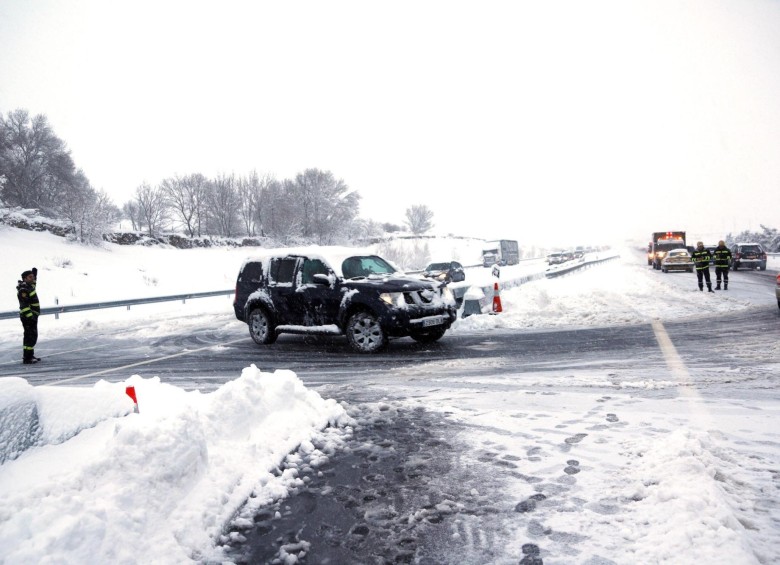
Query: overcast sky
x=555, y=122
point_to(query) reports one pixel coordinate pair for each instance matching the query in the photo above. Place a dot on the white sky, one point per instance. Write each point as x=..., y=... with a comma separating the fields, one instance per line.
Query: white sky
x=613, y=118
x=675, y=477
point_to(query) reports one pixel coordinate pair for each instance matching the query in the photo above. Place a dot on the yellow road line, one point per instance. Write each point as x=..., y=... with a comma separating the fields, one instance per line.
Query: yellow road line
x=674, y=362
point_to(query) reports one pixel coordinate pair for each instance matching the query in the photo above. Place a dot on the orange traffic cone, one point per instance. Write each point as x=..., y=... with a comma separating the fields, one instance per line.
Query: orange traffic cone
x=497, y=300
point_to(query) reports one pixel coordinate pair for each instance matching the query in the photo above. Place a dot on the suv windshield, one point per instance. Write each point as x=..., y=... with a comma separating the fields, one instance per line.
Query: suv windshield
x=363, y=266
x=749, y=249
x=438, y=267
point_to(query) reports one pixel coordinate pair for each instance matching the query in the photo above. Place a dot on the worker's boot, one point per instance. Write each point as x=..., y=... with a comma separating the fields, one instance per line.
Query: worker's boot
x=725, y=286
x=709, y=288
x=717, y=286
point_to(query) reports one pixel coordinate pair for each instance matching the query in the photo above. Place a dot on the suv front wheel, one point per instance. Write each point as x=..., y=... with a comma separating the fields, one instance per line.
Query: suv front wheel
x=260, y=327
x=364, y=333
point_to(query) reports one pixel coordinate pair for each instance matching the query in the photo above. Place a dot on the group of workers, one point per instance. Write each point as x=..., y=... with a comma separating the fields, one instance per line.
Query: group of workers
x=701, y=260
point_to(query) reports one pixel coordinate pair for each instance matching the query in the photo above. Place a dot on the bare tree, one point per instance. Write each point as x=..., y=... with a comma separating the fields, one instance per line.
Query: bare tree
x=279, y=216
x=152, y=207
x=327, y=206
x=250, y=196
x=186, y=198
x=133, y=213
x=223, y=204
x=419, y=218
x=94, y=217
x=35, y=163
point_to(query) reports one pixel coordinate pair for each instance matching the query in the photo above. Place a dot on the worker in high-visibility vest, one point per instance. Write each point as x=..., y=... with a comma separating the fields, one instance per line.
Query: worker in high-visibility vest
x=722, y=258
x=701, y=259
x=29, y=310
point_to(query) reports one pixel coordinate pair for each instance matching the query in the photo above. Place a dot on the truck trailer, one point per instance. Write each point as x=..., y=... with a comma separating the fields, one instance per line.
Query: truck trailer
x=500, y=252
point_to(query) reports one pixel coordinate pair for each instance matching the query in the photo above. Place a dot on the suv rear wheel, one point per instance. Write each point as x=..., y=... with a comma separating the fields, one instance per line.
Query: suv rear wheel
x=364, y=333
x=260, y=327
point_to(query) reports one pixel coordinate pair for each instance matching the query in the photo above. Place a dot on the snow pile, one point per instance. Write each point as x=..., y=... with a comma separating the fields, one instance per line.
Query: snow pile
x=154, y=486
x=672, y=515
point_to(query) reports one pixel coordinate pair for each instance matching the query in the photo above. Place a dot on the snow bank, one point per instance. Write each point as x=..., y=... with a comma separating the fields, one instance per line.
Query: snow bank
x=157, y=486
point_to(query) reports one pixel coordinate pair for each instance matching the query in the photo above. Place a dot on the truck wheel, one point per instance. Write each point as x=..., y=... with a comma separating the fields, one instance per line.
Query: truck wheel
x=260, y=327
x=364, y=333
x=428, y=337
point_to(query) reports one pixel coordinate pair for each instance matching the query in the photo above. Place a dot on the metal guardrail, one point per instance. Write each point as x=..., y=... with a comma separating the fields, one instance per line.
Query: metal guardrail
x=57, y=310
x=577, y=266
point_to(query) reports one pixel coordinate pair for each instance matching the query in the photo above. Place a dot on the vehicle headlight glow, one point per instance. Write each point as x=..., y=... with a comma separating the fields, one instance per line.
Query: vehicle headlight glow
x=393, y=298
x=446, y=293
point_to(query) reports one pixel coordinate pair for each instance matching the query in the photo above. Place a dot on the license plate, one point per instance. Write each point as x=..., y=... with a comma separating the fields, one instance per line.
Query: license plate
x=432, y=321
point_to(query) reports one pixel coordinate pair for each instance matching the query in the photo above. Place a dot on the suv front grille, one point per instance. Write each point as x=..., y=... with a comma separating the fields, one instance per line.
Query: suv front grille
x=419, y=297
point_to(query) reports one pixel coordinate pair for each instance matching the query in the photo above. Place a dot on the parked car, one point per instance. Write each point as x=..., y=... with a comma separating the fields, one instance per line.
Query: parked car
x=336, y=291
x=449, y=271
x=677, y=260
x=750, y=255
x=777, y=291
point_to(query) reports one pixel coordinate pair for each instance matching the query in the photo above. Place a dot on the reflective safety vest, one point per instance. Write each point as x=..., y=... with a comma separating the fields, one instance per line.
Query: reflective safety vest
x=701, y=258
x=722, y=256
x=29, y=305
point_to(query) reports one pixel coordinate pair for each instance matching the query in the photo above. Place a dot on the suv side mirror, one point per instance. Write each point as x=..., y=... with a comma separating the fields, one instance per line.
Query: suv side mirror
x=322, y=279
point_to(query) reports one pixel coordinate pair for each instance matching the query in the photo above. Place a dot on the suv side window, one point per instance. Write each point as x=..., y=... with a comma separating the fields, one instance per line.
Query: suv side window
x=282, y=270
x=312, y=267
x=253, y=272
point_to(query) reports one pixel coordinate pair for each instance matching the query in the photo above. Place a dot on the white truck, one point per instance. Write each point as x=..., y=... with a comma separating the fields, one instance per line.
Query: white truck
x=500, y=252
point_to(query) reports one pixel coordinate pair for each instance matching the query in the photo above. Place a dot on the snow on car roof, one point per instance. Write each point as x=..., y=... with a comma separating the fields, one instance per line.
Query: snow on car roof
x=332, y=255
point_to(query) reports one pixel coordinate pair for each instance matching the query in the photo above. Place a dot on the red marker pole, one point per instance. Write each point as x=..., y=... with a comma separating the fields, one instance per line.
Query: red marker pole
x=131, y=393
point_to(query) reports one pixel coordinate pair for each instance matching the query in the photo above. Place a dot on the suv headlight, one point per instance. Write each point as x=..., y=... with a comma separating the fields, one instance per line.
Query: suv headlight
x=446, y=294
x=393, y=299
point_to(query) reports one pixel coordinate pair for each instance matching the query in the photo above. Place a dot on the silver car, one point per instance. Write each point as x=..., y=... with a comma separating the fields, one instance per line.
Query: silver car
x=677, y=260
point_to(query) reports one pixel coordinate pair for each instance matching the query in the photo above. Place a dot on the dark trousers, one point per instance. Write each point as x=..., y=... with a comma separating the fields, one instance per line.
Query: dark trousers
x=724, y=272
x=703, y=273
x=30, y=337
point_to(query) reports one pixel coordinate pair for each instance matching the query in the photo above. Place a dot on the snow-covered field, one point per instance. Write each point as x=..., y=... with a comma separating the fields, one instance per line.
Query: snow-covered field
x=675, y=478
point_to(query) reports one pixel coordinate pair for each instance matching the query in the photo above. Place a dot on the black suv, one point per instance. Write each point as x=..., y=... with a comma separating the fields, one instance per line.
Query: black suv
x=750, y=255
x=322, y=291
